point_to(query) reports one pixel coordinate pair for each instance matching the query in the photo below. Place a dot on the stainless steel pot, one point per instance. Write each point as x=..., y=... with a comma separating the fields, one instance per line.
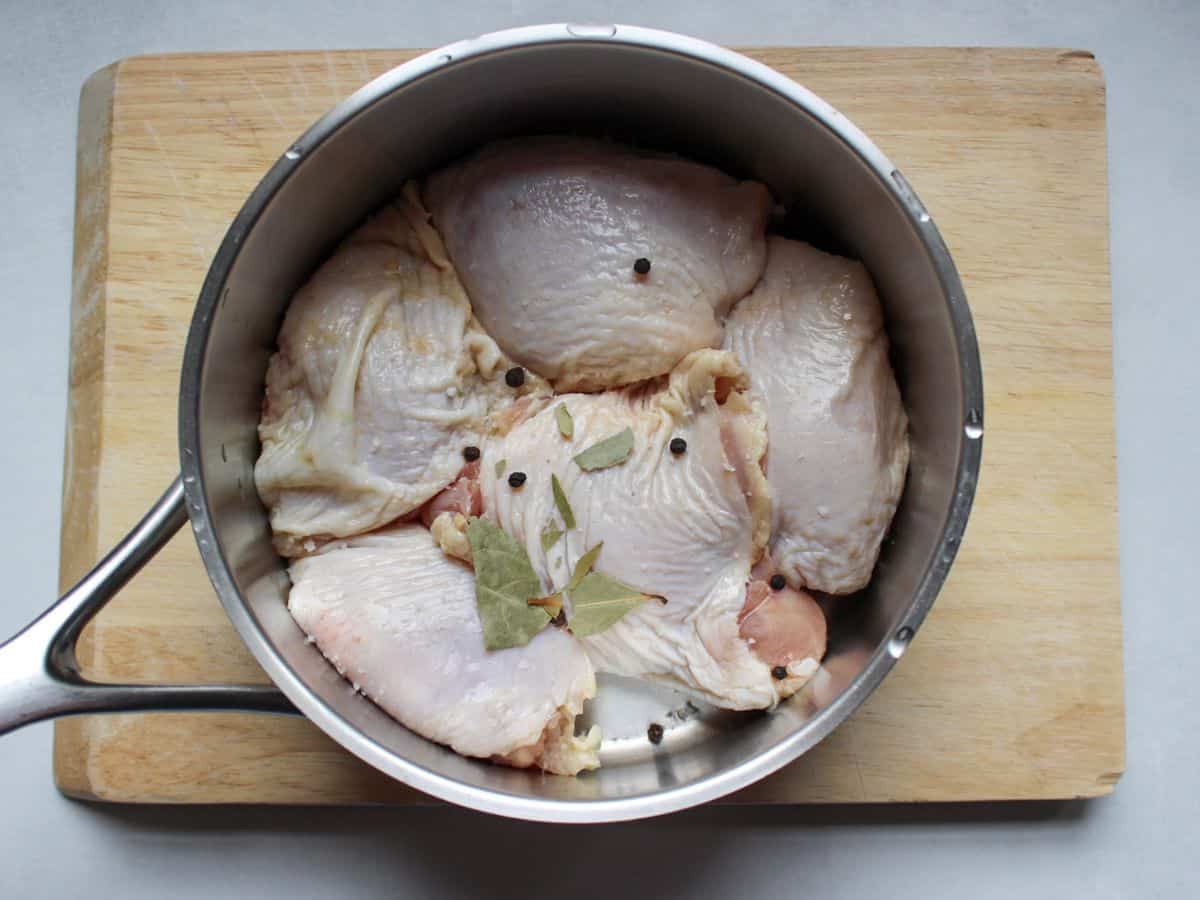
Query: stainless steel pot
x=658, y=89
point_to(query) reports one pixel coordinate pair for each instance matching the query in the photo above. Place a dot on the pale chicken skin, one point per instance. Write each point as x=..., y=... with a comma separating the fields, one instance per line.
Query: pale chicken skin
x=811, y=337
x=784, y=625
x=545, y=233
x=398, y=618
x=687, y=527
x=381, y=378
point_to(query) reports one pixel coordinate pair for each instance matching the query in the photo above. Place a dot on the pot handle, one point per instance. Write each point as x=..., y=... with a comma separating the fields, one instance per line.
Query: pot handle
x=39, y=673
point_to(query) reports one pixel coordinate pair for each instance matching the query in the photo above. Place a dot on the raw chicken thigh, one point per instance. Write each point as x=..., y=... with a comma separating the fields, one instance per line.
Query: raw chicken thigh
x=685, y=526
x=545, y=233
x=381, y=378
x=398, y=617
x=811, y=337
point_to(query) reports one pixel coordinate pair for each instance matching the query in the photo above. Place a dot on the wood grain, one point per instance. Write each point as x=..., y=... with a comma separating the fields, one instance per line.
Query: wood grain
x=1012, y=690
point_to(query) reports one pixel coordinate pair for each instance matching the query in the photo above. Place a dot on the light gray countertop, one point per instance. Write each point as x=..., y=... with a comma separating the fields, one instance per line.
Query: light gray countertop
x=1141, y=842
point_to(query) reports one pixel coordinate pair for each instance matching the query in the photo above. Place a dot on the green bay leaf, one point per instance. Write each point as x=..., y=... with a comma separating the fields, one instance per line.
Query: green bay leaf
x=504, y=583
x=560, y=500
x=583, y=566
x=501, y=465
x=612, y=451
x=566, y=425
x=550, y=535
x=598, y=602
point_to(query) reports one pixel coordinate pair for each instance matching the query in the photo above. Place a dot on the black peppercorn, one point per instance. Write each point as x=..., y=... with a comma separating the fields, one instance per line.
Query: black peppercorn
x=470, y=454
x=514, y=377
x=778, y=582
x=655, y=733
x=779, y=673
x=678, y=446
x=516, y=479
x=641, y=265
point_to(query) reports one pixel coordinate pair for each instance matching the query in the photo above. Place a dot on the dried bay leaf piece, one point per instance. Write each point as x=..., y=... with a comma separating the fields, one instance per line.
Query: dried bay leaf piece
x=560, y=501
x=504, y=583
x=583, y=566
x=550, y=536
x=566, y=425
x=612, y=451
x=598, y=602
x=551, y=603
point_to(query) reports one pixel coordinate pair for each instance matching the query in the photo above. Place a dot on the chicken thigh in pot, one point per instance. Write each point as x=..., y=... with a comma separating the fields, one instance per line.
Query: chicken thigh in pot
x=382, y=376
x=811, y=336
x=593, y=264
x=684, y=520
x=398, y=618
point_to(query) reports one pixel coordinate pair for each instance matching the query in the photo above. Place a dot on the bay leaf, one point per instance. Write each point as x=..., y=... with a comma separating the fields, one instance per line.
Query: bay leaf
x=501, y=465
x=560, y=500
x=583, y=566
x=566, y=425
x=550, y=535
x=504, y=582
x=612, y=451
x=551, y=603
x=598, y=602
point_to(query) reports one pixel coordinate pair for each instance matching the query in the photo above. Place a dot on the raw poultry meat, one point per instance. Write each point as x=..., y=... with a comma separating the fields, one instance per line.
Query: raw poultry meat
x=381, y=378
x=686, y=526
x=394, y=397
x=398, y=618
x=545, y=233
x=811, y=337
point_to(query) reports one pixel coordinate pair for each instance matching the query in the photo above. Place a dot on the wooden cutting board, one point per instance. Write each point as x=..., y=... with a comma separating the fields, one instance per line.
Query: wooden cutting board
x=1013, y=689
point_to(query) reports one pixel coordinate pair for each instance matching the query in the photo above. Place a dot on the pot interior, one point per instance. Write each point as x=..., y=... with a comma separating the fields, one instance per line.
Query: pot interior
x=837, y=196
